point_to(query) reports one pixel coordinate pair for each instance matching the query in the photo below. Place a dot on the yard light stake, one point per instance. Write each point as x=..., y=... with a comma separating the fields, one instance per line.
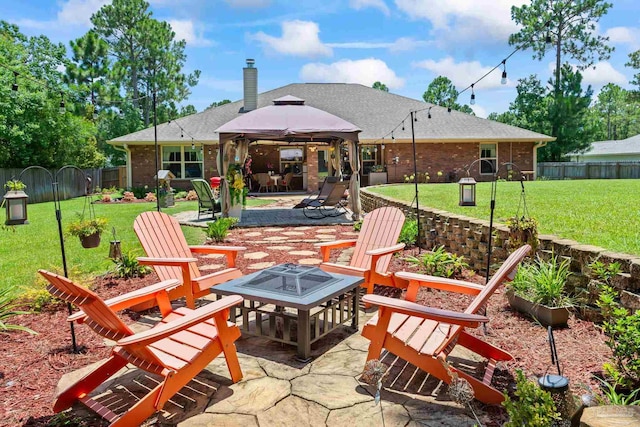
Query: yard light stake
x=415, y=177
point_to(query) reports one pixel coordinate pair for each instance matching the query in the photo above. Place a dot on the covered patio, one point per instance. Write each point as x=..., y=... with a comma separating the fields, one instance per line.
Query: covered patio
x=289, y=122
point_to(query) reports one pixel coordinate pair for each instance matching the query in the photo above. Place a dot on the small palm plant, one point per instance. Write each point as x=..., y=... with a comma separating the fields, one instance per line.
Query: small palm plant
x=7, y=310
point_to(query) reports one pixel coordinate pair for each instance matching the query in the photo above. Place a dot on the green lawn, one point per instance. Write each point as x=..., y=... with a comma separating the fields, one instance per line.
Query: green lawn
x=27, y=248
x=604, y=213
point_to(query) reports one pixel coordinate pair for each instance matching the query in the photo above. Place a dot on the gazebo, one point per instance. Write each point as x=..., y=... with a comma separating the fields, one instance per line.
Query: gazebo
x=289, y=120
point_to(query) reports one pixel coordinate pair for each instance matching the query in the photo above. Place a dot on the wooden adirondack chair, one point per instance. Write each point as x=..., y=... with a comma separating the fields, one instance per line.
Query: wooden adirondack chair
x=176, y=349
x=171, y=257
x=424, y=336
x=376, y=243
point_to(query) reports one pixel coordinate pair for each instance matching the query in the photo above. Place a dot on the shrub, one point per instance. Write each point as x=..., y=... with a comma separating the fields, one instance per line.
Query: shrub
x=439, y=263
x=181, y=195
x=139, y=192
x=624, y=340
x=543, y=282
x=604, y=272
x=611, y=396
x=127, y=266
x=409, y=232
x=8, y=310
x=128, y=196
x=219, y=229
x=192, y=195
x=533, y=407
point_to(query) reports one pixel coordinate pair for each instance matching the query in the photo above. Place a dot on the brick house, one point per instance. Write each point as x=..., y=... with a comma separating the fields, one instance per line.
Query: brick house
x=447, y=142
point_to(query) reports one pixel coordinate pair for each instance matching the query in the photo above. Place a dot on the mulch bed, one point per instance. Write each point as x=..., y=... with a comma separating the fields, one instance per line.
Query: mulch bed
x=32, y=365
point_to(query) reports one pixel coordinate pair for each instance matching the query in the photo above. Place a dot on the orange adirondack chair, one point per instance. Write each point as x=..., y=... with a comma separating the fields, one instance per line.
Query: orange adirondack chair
x=424, y=336
x=171, y=257
x=176, y=349
x=376, y=243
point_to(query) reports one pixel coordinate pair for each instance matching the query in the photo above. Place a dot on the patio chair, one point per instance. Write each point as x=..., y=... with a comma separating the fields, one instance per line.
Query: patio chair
x=176, y=349
x=207, y=202
x=171, y=257
x=264, y=181
x=325, y=189
x=333, y=205
x=376, y=243
x=286, y=181
x=424, y=336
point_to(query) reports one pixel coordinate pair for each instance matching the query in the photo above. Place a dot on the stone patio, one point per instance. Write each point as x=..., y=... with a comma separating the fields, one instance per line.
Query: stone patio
x=278, y=390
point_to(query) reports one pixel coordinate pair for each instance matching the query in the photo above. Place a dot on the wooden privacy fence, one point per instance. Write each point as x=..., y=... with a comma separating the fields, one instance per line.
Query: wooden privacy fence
x=71, y=183
x=589, y=170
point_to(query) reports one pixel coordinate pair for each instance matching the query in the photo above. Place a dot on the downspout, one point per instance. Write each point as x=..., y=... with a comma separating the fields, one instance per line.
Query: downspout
x=125, y=149
x=535, y=157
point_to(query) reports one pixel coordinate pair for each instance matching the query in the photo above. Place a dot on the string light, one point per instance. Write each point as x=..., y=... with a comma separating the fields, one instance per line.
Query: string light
x=14, y=86
x=503, y=80
x=473, y=95
x=429, y=113
x=403, y=125
x=193, y=144
x=415, y=116
x=62, y=110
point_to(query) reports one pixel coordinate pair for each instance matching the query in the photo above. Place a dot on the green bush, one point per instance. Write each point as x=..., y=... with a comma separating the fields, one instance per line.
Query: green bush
x=139, y=192
x=439, y=263
x=7, y=311
x=604, y=272
x=127, y=266
x=181, y=195
x=533, y=407
x=611, y=396
x=543, y=282
x=623, y=331
x=409, y=232
x=219, y=229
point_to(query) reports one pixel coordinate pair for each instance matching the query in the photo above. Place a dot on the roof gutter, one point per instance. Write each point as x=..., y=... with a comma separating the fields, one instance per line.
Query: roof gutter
x=537, y=145
x=125, y=149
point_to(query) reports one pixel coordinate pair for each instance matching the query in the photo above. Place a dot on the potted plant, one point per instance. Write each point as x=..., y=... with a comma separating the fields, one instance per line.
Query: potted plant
x=538, y=289
x=88, y=230
x=237, y=191
x=377, y=175
x=523, y=230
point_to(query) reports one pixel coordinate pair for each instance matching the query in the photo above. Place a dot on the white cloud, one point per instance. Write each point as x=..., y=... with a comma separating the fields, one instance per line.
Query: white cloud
x=363, y=4
x=225, y=85
x=185, y=30
x=600, y=74
x=400, y=44
x=78, y=12
x=464, y=19
x=462, y=73
x=479, y=111
x=363, y=71
x=299, y=38
x=624, y=35
x=248, y=3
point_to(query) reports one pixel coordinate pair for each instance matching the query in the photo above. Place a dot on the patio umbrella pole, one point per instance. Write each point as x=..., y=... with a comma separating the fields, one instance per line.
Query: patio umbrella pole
x=415, y=178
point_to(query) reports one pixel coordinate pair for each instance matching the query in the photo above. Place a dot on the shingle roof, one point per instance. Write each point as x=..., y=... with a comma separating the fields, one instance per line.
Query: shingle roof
x=374, y=111
x=610, y=148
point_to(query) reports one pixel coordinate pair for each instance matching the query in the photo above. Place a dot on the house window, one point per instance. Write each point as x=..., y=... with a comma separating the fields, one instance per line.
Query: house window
x=183, y=161
x=291, y=160
x=488, y=154
x=369, y=158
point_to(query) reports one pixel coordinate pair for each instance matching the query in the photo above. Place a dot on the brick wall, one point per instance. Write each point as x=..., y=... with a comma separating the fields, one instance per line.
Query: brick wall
x=469, y=237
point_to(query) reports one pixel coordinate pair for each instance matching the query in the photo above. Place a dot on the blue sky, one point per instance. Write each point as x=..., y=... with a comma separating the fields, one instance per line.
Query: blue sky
x=402, y=43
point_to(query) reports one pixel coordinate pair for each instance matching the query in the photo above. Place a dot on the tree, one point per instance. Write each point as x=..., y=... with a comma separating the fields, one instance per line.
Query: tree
x=569, y=25
x=634, y=62
x=217, y=104
x=442, y=92
x=32, y=130
x=380, y=86
x=615, y=114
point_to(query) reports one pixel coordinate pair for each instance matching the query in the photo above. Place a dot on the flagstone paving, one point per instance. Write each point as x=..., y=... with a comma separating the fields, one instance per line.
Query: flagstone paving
x=255, y=255
x=261, y=265
x=310, y=261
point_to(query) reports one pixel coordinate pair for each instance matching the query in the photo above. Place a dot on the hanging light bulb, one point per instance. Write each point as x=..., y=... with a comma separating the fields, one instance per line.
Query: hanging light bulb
x=95, y=113
x=473, y=95
x=62, y=110
x=415, y=116
x=503, y=80
x=181, y=133
x=449, y=109
x=210, y=151
x=403, y=125
x=14, y=86
x=201, y=148
x=393, y=138
x=429, y=113
x=193, y=144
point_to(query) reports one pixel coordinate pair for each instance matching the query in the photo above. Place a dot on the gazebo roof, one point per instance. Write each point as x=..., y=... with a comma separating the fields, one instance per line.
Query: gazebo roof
x=288, y=118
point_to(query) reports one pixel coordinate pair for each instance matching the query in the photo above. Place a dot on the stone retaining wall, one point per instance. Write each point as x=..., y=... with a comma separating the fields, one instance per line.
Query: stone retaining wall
x=469, y=237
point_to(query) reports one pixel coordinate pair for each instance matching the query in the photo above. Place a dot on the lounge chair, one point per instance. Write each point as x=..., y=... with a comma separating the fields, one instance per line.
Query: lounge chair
x=333, y=205
x=207, y=202
x=171, y=257
x=177, y=349
x=424, y=336
x=325, y=189
x=376, y=243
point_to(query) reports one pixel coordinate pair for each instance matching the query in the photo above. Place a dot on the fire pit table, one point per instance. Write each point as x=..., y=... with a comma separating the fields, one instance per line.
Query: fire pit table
x=294, y=304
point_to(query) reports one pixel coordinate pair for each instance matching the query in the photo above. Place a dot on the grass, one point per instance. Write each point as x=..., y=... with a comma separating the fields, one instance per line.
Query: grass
x=27, y=248
x=603, y=213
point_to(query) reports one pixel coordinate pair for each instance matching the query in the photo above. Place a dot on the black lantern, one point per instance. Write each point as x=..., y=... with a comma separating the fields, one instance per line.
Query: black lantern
x=16, y=202
x=467, y=191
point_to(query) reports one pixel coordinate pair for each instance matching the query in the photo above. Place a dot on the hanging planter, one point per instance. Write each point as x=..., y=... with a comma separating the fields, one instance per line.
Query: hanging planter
x=88, y=230
x=523, y=231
